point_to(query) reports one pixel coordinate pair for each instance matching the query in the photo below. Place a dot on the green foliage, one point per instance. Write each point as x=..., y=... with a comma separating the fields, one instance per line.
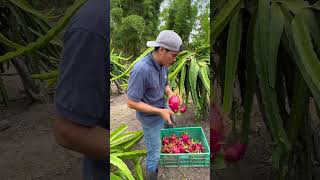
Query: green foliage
x=203, y=30
x=278, y=62
x=131, y=32
x=116, y=15
x=121, y=145
x=30, y=38
x=134, y=24
x=190, y=75
x=181, y=18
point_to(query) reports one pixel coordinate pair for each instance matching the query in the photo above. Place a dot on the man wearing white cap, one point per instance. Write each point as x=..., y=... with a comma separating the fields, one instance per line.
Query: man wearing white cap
x=148, y=83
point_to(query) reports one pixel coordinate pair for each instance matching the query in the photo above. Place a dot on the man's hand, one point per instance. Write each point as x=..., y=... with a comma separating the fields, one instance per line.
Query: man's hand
x=165, y=114
x=146, y=108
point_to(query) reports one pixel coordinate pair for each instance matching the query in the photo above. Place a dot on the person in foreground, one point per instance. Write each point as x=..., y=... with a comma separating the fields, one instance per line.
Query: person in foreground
x=82, y=93
x=148, y=82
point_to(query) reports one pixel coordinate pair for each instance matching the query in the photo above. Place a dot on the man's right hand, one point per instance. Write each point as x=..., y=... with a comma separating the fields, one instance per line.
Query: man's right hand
x=146, y=108
x=165, y=114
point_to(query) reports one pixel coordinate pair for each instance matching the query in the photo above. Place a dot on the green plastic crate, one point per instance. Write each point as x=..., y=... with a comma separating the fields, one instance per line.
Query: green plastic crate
x=186, y=159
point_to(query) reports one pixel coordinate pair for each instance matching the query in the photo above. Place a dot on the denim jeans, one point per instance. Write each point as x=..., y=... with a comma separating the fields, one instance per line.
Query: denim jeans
x=153, y=143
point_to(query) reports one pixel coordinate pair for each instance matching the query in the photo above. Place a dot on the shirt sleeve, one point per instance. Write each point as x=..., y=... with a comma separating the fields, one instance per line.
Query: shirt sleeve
x=80, y=90
x=136, y=85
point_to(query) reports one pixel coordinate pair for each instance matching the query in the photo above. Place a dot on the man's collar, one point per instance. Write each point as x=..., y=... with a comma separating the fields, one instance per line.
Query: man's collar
x=157, y=65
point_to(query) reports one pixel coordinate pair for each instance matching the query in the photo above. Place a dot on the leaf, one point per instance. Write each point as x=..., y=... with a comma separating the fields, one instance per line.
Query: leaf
x=45, y=76
x=132, y=64
x=233, y=48
x=181, y=63
x=299, y=106
x=250, y=83
x=293, y=50
x=54, y=41
x=223, y=18
x=276, y=158
x=131, y=154
x=181, y=81
x=40, y=42
x=8, y=43
x=121, y=165
x=261, y=58
x=114, y=177
x=276, y=28
x=114, y=134
x=204, y=75
x=116, y=150
x=295, y=6
x=129, y=145
x=308, y=62
x=14, y=45
x=30, y=10
x=125, y=138
x=316, y=5
x=173, y=75
x=138, y=169
x=193, y=76
x=314, y=28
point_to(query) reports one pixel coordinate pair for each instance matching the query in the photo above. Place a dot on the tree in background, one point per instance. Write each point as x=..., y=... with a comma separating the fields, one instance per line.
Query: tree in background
x=180, y=16
x=191, y=21
x=201, y=37
x=132, y=23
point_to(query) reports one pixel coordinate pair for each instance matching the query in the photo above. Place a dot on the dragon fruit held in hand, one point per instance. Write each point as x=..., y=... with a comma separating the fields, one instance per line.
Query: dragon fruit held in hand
x=174, y=103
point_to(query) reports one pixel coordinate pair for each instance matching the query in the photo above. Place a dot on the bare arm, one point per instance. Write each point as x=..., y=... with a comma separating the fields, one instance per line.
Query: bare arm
x=168, y=91
x=143, y=107
x=91, y=141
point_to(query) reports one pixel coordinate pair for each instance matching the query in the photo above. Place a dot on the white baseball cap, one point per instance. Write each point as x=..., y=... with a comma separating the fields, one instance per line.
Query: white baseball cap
x=167, y=39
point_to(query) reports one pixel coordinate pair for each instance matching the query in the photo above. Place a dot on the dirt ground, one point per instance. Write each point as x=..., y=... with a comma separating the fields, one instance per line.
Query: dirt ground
x=27, y=148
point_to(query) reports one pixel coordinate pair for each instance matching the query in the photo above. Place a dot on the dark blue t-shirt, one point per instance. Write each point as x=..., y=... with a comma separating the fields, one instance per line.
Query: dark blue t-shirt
x=147, y=84
x=82, y=93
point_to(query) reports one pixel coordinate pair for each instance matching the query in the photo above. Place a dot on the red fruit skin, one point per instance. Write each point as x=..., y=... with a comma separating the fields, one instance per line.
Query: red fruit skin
x=216, y=122
x=179, y=143
x=231, y=154
x=190, y=149
x=213, y=136
x=183, y=108
x=174, y=103
x=196, y=147
x=241, y=148
x=215, y=148
x=184, y=138
x=235, y=152
x=173, y=138
x=165, y=141
x=175, y=149
x=181, y=149
x=189, y=142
